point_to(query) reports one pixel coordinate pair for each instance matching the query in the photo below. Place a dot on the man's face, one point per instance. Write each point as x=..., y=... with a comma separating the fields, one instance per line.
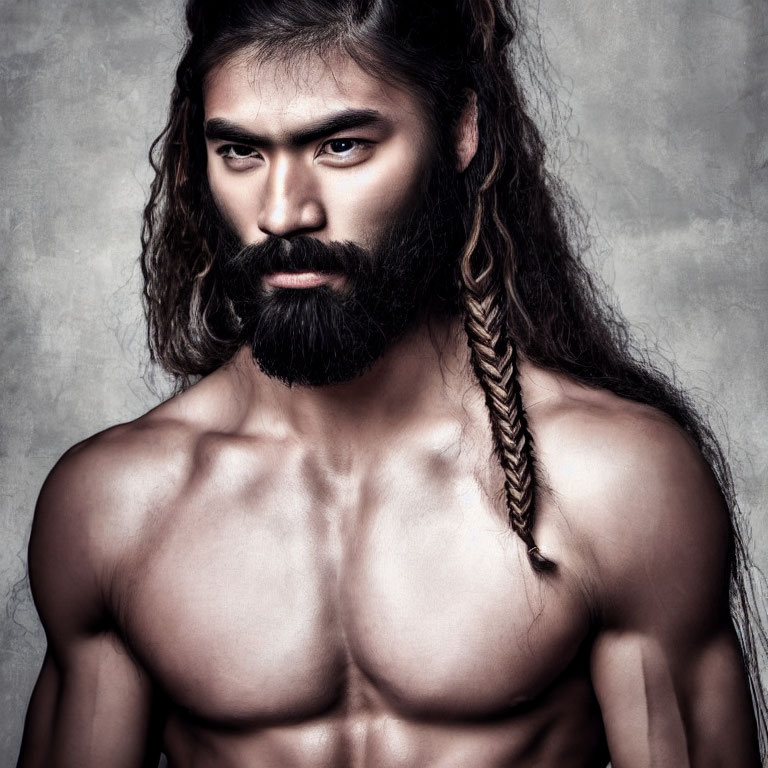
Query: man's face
x=318, y=171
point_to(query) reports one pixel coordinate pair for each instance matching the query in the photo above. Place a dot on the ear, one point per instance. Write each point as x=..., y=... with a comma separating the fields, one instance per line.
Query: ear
x=467, y=133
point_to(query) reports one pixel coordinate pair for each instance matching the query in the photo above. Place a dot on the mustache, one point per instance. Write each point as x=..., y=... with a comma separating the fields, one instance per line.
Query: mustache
x=299, y=254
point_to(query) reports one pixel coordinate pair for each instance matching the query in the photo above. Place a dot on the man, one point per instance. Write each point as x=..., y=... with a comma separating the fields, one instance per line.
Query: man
x=325, y=552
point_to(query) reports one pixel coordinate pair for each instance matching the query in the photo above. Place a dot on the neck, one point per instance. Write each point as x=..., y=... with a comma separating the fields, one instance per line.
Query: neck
x=409, y=382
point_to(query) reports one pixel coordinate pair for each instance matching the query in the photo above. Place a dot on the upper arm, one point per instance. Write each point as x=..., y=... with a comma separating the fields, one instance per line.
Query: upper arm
x=92, y=704
x=666, y=664
x=661, y=707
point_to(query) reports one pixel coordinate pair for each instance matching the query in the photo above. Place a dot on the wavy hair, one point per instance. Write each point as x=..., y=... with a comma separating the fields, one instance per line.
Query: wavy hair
x=524, y=288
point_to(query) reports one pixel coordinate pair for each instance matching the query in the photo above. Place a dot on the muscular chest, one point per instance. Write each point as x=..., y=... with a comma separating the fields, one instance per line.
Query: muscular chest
x=290, y=598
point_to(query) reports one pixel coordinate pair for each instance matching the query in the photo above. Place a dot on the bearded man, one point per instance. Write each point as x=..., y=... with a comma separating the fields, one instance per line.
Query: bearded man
x=323, y=551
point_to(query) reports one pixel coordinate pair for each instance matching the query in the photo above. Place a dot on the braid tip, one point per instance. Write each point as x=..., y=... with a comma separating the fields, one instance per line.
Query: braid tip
x=539, y=562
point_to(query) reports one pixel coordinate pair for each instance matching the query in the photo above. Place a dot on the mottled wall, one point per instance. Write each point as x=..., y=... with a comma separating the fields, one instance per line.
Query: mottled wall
x=668, y=149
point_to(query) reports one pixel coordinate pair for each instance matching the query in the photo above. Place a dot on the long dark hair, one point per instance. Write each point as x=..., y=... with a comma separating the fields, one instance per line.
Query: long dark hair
x=524, y=288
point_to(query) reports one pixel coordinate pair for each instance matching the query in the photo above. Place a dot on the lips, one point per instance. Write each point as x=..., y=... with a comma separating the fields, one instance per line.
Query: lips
x=306, y=279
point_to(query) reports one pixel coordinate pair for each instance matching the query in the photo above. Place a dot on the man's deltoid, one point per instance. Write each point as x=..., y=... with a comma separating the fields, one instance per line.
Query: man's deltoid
x=415, y=503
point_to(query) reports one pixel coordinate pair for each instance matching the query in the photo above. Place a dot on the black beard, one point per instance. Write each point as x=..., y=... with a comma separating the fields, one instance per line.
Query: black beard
x=321, y=335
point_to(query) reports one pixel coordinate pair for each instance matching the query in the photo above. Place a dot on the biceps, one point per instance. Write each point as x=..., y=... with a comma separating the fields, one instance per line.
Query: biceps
x=40, y=717
x=664, y=707
x=94, y=710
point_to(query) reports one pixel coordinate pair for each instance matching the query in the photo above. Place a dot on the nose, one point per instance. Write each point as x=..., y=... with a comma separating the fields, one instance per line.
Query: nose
x=290, y=204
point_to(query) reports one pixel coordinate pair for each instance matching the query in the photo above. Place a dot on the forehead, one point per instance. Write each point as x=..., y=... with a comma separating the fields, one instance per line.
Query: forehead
x=279, y=95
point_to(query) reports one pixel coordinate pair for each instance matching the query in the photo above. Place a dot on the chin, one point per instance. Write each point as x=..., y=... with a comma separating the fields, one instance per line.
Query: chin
x=318, y=337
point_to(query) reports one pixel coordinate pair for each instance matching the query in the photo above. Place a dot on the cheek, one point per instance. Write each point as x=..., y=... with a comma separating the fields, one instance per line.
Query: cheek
x=234, y=197
x=362, y=201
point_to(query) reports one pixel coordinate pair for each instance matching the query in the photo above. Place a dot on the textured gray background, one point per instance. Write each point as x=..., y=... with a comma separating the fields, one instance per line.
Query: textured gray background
x=668, y=150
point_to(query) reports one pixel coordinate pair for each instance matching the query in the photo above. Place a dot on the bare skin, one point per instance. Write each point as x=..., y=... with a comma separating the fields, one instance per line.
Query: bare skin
x=253, y=574
x=330, y=581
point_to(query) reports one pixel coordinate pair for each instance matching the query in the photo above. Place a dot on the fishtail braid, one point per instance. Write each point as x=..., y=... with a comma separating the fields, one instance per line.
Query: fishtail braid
x=494, y=358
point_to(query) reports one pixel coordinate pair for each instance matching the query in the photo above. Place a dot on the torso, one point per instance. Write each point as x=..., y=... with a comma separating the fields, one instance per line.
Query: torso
x=361, y=610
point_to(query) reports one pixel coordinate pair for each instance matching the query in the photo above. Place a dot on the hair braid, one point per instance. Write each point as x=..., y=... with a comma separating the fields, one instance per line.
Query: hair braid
x=494, y=357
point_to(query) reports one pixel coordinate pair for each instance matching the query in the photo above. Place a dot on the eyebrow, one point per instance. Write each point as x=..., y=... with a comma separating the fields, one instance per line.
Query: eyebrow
x=218, y=128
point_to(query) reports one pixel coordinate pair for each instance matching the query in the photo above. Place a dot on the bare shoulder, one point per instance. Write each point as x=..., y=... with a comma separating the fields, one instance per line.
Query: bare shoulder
x=637, y=495
x=93, y=522
x=98, y=501
x=112, y=476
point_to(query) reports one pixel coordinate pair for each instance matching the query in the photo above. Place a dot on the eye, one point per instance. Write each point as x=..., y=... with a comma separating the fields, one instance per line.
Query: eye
x=345, y=151
x=238, y=155
x=341, y=146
